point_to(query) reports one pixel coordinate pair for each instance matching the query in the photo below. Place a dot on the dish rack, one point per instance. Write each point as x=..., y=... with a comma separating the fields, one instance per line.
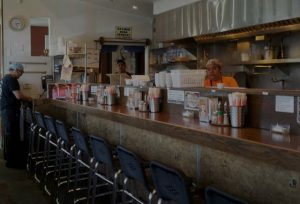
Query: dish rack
x=188, y=78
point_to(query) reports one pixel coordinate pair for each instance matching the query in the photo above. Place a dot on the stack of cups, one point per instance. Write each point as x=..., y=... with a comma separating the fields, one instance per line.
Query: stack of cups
x=156, y=78
x=154, y=99
x=111, y=95
x=168, y=80
x=154, y=104
x=238, y=108
x=85, y=91
x=162, y=79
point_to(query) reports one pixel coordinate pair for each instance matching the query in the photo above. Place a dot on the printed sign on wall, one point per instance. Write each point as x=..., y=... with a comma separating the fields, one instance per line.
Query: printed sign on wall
x=123, y=32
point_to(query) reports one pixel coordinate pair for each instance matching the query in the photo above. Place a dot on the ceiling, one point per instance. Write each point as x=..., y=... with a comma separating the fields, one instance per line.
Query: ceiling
x=145, y=7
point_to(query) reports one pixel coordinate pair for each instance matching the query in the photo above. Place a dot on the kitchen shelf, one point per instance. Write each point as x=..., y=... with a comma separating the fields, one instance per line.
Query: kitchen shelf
x=76, y=55
x=250, y=91
x=173, y=63
x=269, y=62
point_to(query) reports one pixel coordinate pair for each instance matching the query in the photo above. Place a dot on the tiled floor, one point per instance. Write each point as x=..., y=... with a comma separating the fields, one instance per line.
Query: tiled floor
x=17, y=188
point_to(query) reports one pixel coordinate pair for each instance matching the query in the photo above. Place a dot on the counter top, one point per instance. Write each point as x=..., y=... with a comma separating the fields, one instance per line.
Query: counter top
x=282, y=150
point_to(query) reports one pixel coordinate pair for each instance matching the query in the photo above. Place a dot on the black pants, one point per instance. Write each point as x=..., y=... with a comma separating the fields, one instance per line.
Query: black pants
x=15, y=150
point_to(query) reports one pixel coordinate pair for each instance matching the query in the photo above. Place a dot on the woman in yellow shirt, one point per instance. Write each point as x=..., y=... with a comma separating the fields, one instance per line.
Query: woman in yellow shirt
x=214, y=75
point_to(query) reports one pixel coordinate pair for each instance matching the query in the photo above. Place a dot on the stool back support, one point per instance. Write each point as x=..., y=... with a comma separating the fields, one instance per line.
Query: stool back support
x=50, y=124
x=40, y=120
x=79, y=140
x=62, y=131
x=101, y=151
x=215, y=196
x=169, y=184
x=29, y=117
x=131, y=165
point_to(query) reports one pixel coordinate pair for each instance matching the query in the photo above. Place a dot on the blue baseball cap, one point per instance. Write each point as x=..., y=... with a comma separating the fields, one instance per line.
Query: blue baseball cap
x=16, y=66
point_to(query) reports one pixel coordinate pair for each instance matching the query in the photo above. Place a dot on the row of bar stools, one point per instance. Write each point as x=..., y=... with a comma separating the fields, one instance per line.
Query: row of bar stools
x=74, y=168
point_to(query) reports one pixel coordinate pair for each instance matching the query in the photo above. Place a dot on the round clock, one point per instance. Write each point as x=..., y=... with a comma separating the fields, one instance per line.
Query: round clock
x=17, y=23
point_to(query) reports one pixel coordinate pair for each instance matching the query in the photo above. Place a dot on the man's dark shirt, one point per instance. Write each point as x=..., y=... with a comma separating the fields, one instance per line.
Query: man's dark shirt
x=8, y=99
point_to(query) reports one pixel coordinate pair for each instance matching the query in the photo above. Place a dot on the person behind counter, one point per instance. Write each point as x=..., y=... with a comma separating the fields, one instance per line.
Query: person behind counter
x=11, y=97
x=122, y=67
x=214, y=75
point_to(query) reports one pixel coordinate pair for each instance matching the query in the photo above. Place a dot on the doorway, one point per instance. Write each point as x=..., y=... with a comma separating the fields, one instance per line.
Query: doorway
x=132, y=52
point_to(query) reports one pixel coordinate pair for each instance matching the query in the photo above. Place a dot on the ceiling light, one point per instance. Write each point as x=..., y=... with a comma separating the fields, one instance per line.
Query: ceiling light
x=135, y=7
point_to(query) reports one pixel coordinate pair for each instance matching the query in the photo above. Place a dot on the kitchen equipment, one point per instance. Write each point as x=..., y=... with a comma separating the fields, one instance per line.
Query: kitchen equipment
x=269, y=52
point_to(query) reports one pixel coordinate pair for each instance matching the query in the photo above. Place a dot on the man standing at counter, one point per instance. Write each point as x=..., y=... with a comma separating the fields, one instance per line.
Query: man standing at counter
x=11, y=97
x=214, y=75
x=122, y=67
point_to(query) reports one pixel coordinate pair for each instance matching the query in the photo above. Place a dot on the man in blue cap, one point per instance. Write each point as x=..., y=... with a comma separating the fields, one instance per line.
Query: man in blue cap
x=10, y=109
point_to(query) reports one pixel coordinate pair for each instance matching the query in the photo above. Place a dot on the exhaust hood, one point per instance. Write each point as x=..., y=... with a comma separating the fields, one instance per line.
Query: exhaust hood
x=208, y=19
x=267, y=28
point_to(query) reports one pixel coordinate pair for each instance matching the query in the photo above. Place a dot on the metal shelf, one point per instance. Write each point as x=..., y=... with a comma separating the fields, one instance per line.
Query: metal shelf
x=175, y=62
x=269, y=62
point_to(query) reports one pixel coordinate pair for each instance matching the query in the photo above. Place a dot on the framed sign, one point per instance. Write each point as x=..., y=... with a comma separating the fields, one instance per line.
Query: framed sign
x=175, y=96
x=191, y=100
x=123, y=32
x=203, y=109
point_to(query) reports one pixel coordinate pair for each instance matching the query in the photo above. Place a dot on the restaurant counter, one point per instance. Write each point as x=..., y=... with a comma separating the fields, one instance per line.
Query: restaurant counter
x=251, y=163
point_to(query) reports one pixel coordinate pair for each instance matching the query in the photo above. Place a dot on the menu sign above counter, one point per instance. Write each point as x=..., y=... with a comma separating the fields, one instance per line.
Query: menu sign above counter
x=123, y=32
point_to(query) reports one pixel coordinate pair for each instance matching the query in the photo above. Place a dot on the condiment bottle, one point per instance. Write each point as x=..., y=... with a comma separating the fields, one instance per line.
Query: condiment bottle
x=219, y=114
x=214, y=117
x=225, y=117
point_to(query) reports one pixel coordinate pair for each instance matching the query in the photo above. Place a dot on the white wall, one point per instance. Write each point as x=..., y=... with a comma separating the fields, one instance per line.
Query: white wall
x=71, y=19
x=161, y=6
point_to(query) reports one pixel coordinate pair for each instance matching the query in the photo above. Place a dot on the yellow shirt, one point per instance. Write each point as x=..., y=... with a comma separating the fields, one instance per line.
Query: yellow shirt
x=227, y=81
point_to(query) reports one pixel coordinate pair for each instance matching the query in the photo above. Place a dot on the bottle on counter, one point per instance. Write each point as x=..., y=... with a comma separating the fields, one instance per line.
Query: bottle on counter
x=214, y=118
x=225, y=116
x=219, y=114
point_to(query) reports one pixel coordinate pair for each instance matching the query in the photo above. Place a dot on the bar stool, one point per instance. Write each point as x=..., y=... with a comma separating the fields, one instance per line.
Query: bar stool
x=103, y=170
x=134, y=172
x=215, y=196
x=40, y=147
x=82, y=167
x=52, y=154
x=32, y=134
x=169, y=184
x=65, y=164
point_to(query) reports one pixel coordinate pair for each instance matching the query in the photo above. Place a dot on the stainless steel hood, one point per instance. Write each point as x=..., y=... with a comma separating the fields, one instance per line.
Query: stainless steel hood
x=227, y=17
x=267, y=28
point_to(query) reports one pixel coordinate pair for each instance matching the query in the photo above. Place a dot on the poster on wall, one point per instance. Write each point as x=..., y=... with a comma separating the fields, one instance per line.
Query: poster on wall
x=123, y=32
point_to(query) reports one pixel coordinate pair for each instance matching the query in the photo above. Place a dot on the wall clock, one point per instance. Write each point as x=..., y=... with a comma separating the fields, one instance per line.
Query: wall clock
x=17, y=23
